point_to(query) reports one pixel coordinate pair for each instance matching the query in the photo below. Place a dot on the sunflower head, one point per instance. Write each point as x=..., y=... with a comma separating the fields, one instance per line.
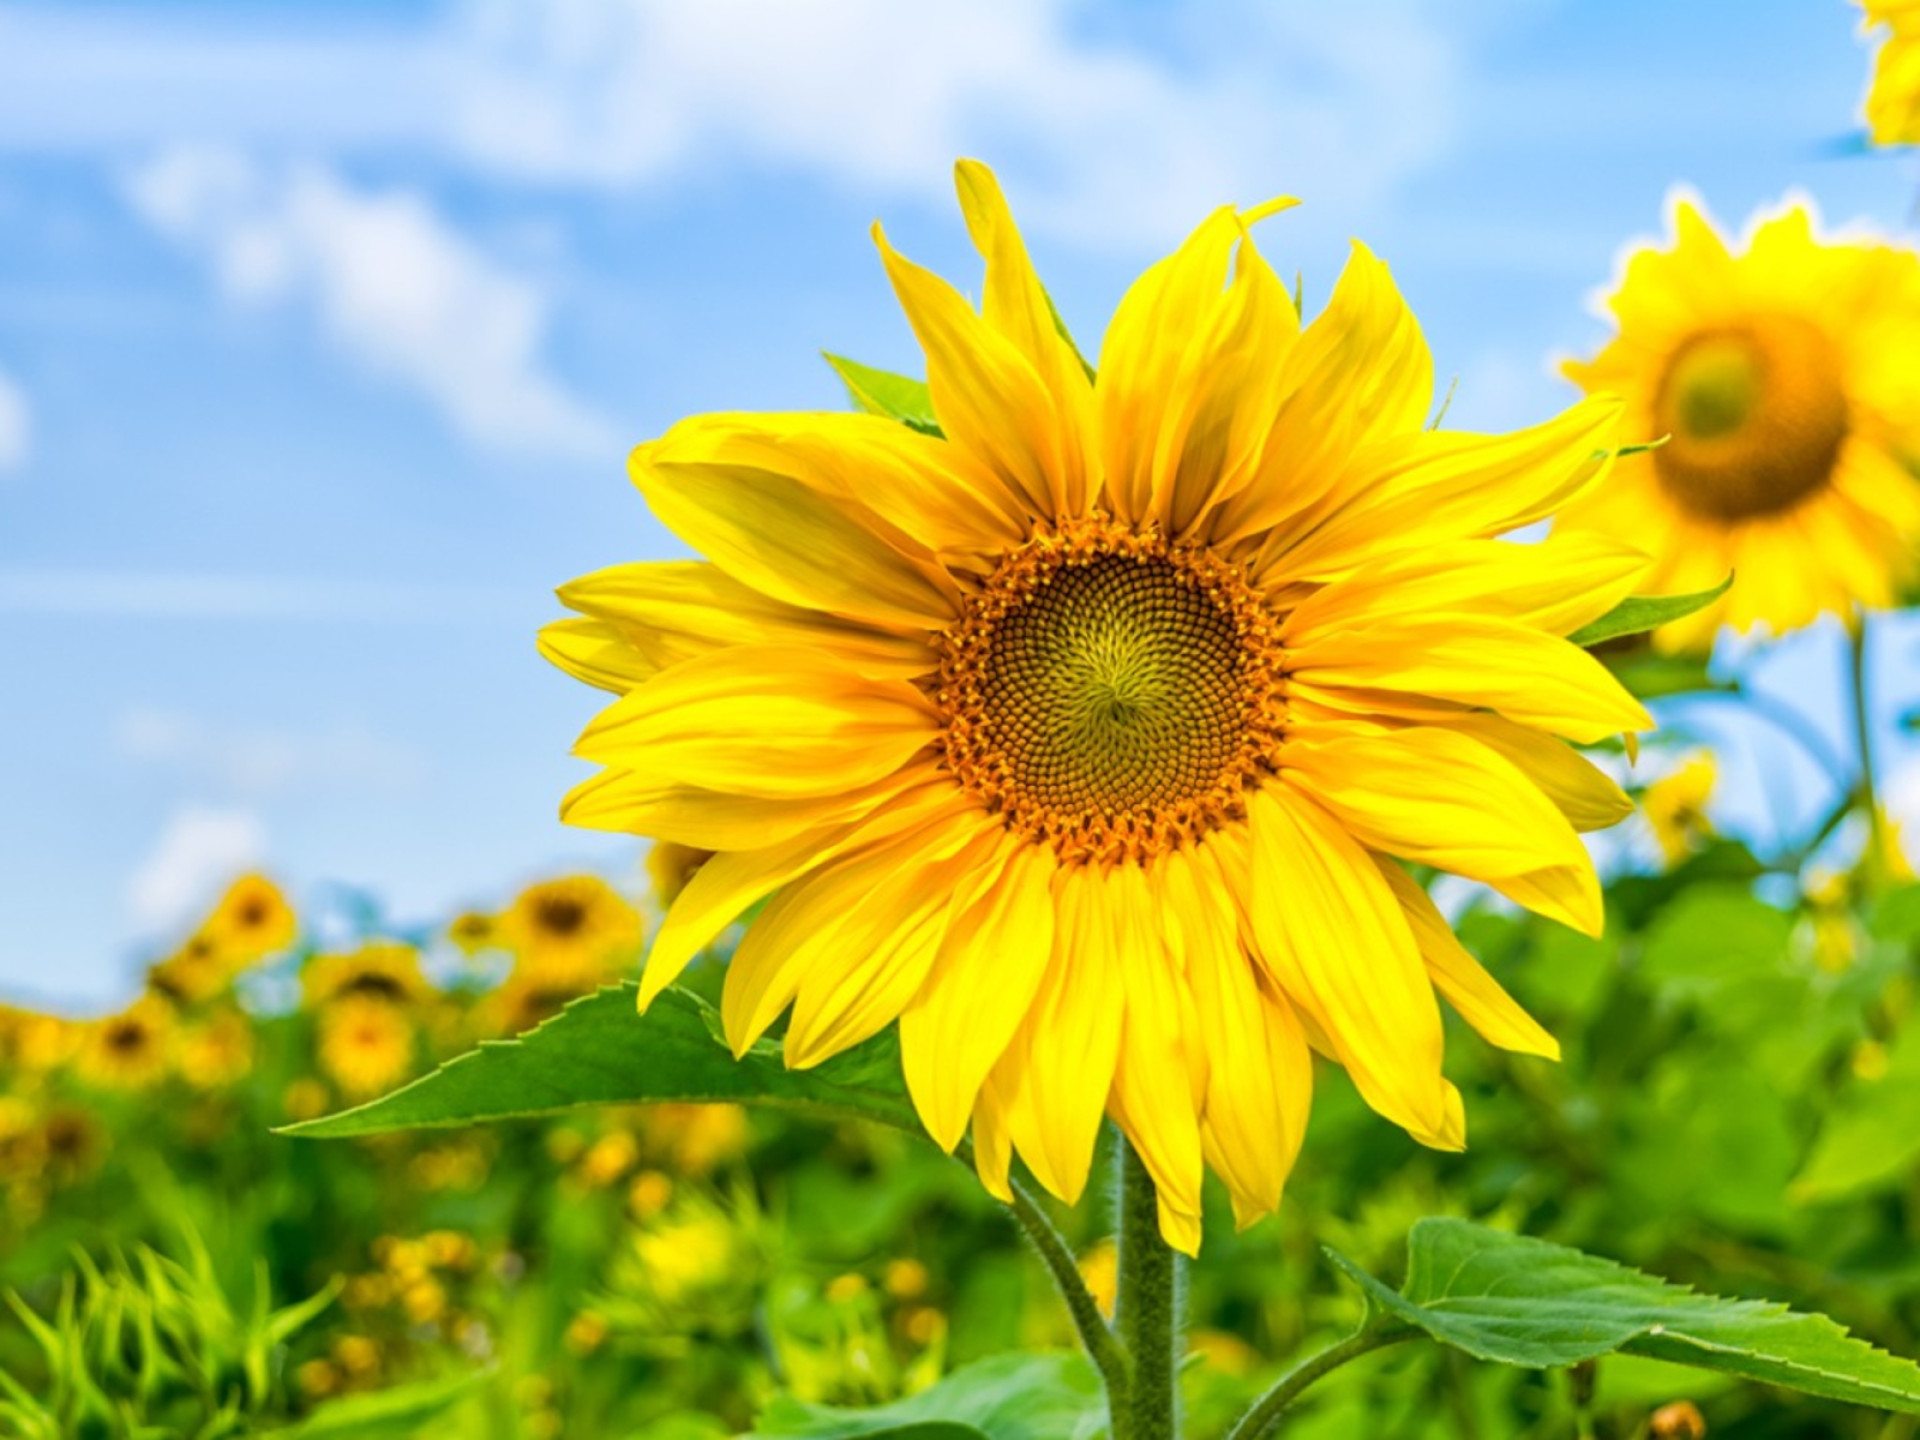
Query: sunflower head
x=1776, y=380
x=1085, y=732
x=132, y=1050
x=253, y=920
x=31, y=1042
x=574, y=929
x=197, y=972
x=366, y=1044
x=217, y=1051
x=383, y=970
x=474, y=932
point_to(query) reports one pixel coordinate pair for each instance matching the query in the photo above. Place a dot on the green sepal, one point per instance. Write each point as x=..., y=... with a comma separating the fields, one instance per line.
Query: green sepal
x=1640, y=613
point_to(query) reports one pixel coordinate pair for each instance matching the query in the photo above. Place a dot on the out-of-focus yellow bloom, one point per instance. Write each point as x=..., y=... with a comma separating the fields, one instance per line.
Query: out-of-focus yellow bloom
x=380, y=970
x=1074, y=739
x=131, y=1050
x=474, y=932
x=449, y=1249
x=1783, y=382
x=358, y=1355
x=844, y=1288
x=22, y=1141
x=670, y=866
x=317, y=1379
x=194, y=974
x=32, y=1043
x=366, y=1044
x=252, y=921
x=608, y=1159
x=1677, y=1420
x=1869, y=1060
x=1100, y=1268
x=1676, y=807
x=649, y=1194
x=694, y=1139
x=73, y=1140
x=586, y=1332
x=577, y=929
x=1892, y=103
x=687, y=1250
x=1223, y=1351
x=304, y=1098
x=924, y=1325
x=905, y=1279
x=218, y=1050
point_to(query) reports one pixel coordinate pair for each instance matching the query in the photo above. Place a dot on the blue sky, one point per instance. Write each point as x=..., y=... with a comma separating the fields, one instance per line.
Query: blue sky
x=324, y=330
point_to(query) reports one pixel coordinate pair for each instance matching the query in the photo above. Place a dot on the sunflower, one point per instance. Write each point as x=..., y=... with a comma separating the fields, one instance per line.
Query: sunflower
x=1893, y=98
x=1676, y=807
x=252, y=920
x=131, y=1050
x=218, y=1050
x=1082, y=737
x=1783, y=382
x=31, y=1042
x=366, y=1044
x=195, y=973
x=575, y=928
x=474, y=932
x=381, y=969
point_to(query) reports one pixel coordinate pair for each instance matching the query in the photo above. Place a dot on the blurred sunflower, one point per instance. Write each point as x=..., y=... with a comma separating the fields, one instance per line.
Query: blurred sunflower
x=252, y=920
x=195, y=973
x=1081, y=739
x=31, y=1043
x=381, y=970
x=366, y=1044
x=1783, y=380
x=671, y=866
x=577, y=928
x=218, y=1050
x=1676, y=807
x=131, y=1050
x=74, y=1141
x=474, y=932
x=1893, y=97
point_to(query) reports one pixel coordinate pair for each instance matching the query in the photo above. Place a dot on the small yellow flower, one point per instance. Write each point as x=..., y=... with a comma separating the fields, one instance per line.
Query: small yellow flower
x=366, y=1044
x=304, y=1098
x=380, y=970
x=253, y=920
x=608, y=1159
x=670, y=866
x=474, y=932
x=905, y=1279
x=1086, y=738
x=695, y=1139
x=649, y=1194
x=131, y=1050
x=194, y=974
x=217, y=1051
x=1676, y=807
x=586, y=1333
x=1892, y=103
x=577, y=929
x=843, y=1289
x=1781, y=379
x=317, y=1379
x=32, y=1043
x=358, y=1355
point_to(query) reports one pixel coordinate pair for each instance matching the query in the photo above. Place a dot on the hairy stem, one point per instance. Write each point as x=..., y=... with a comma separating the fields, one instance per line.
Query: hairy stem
x=1147, y=1309
x=1265, y=1416
x=1102, y=1346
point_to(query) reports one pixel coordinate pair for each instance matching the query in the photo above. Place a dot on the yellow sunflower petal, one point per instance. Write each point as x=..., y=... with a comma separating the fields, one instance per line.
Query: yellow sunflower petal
x=730, y=883
x=1524, y=674
x=1443, y=799
x=596, y=652
x=986, y=394
x=1584, y=793
x=1058, y=1072
x=1259, y=1075
x=992, y=1145
x=1437, y=486
x=982, y=983
x=792, y=542
x=626, y=803
x=757, y=720
x=1159, y=1084
x=1338, y=941
x=1017, y=306
x=1480, y=999
x=666, y=611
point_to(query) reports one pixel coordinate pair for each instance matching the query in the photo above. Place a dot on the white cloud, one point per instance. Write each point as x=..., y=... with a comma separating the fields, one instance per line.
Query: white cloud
x=388, y=280
x=1106, y=141
x=259, y=763
x=16, y=425
x=199, y=851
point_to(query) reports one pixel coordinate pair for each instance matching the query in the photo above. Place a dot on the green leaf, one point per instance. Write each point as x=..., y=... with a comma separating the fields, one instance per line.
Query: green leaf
x=1525, y=1302
x=1007, y=1397
x=1650, y=674
x=599, y=1051
x=400, y=1413
x=1871, y=1136
x=1639, y=613
x=881, y=392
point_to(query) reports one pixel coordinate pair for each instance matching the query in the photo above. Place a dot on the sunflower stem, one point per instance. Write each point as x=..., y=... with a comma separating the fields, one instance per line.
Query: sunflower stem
x=1102, y=1345
x=1876, y=856
x=1147, y=1310
x=1263, y=1419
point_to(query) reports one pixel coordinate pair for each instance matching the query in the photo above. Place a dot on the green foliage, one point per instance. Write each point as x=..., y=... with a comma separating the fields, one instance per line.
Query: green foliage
x=1640, y=613
x=1525, y=1302
x=399, y=1413
x=881, y=392
x=1011, y=1397
x=594, y=1052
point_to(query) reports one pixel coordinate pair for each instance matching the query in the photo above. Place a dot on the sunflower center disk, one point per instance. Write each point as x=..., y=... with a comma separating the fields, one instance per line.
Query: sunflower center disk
x=1112, y=696
x=1756, y=416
